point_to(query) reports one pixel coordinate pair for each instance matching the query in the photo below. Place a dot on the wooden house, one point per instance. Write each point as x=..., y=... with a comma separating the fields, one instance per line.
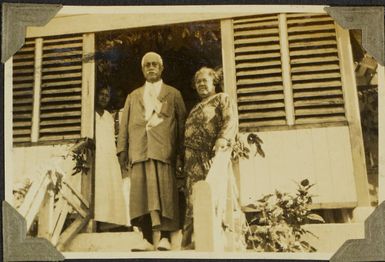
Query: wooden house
x=290, y=70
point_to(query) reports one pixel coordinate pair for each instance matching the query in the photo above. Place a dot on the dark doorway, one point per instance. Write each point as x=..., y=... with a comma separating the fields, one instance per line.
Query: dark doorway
x=184, y=49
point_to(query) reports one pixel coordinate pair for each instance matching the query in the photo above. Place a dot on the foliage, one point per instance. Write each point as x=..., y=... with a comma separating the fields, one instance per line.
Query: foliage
x=20, y=191
x=81, y=155
x=240, y=150
x=278, y=227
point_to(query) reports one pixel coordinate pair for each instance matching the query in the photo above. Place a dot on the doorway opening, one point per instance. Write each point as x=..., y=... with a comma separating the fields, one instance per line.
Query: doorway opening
x=184, y=48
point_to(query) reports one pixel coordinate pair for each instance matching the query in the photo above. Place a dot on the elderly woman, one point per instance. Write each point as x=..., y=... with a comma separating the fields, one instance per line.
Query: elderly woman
x=210, y=127
x=110, y=206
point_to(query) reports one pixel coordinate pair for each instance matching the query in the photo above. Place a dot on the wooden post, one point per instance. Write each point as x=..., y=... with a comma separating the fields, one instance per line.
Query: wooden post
x=286, y=70
x=87, y=121
x=207, y=232
x=352, y=110
x=37, y=90
x=381, y=138
x=8, y=127
x=45, y=222
x=229, y=213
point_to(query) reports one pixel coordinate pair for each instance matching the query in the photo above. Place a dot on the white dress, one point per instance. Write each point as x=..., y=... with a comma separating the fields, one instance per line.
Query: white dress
x=110, y=205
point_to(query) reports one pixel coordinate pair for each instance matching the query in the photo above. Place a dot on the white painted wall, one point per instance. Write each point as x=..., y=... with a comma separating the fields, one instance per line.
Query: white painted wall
x=28, y=162
x=322, y=155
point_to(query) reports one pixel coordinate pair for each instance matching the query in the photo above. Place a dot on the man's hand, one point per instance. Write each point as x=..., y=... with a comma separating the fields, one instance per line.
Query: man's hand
x=221, y=145
x=123, y=161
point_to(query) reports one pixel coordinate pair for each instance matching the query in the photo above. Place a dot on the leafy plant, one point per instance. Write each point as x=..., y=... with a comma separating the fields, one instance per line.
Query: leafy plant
x=242, y=150
x=278, y=225
x=81, y=155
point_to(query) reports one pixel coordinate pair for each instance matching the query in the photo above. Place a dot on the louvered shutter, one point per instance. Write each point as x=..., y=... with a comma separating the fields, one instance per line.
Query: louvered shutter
x=23, y=81
x=258, y=71
x=314, y=79
x=61, y=87
x=315, y=69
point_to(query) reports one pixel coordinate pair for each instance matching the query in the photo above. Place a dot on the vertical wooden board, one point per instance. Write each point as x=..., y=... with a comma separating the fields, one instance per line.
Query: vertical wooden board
x=305, y=158
x=343, y=186
x=254, y=173
x=322, y=176
x=262, y=175
x=9, y=167
x=37, y=90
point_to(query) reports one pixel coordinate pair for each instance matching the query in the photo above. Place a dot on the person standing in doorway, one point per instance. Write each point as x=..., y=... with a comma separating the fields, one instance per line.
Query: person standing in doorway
x=150, y=146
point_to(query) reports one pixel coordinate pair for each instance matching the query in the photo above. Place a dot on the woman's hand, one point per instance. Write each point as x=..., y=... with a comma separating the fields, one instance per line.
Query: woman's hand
x=221, y=145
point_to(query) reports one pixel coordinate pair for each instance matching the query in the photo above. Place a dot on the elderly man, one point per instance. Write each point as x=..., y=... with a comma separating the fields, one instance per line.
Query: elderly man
x=150, y=145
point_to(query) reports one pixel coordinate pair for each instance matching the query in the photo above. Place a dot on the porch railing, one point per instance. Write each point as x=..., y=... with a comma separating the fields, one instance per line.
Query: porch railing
x=54, y=200
x=215, y=203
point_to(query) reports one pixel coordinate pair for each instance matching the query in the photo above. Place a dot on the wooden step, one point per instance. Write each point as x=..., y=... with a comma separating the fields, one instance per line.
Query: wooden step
x=104, y=242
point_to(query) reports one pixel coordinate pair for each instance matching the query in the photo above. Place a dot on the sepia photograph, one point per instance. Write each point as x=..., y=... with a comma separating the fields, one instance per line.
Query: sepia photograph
x=199, y=131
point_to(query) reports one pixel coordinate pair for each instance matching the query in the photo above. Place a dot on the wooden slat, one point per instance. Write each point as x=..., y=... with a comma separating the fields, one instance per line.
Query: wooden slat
x=304, y=28
x=61, y=121
x=61, y=91
x=17, y=64
x=23, y=71
x=49, y=137
x=257, y=48
x=259, y=72
x=22, y=85
x=247, y=90
x=61, y=68
x=311, y=60
x=20, y=56
x=318, y=119
x=22, y=78
x=62, y=75
x=61, y=99
x=257, y=25
x=22, y=93
x=22, y=101
x=256, y=32
x=309, y=68
x=21, y=131
x=25, y=124
x=73, y=202
x=257, y=56
x=22, y=116
x=259, y=106
x=62, y=46
x=62, y=83
x=62, y=106
x=77, y=194
x=237, y=21
x=305, y=15
x=313, y=43
x=71, y=231
x=59, y=114
x=63, y=39
x=317, y=93
x=21, y=139
x=318, y=51
x=255, y=40
x=316, y=102
x=260, y=98
x=315, y=76
x=276, y=122
x=319, y=111
x=304, y=20
x=241, y=65
x=59, y=129
x=327, y=84
x=59, y=226
x=312, y=36
x=259, y=115
x=63, y=54
x=61, y=61
x=259, y=80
